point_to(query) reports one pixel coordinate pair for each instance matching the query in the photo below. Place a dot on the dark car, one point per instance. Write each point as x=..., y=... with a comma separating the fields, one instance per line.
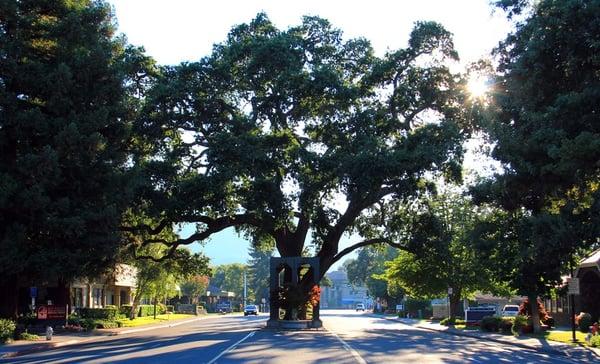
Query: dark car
x=250, y=310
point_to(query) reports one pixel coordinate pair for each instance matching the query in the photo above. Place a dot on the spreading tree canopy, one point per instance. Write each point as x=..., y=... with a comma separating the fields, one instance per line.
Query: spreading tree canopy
x=444, y=255
x=286, y=133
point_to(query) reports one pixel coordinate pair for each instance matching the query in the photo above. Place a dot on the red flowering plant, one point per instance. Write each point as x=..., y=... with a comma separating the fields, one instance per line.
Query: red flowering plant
x=314, y=296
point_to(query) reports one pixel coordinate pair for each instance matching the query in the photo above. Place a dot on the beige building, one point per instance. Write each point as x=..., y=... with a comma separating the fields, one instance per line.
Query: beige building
x=113, y=289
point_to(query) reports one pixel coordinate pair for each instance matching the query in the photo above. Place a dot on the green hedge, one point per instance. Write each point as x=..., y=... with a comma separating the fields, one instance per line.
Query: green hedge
x=109, y=314
x=448, y=322
x=519, y=323
x=506, y=325
x=93, y=324
x=595, y=341
x=490, y=323
x=148, y=310
x=125, y=310
x=7, y=330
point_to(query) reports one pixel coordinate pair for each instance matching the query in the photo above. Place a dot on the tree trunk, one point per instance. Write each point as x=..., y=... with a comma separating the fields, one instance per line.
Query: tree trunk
x=454, y=303
x=62, y=293
x=9, y=299
x=134, y=306
x=535, y=314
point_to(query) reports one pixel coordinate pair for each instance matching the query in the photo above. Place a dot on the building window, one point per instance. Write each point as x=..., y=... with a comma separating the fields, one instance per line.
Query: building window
x=77, y=297
x=97, y=297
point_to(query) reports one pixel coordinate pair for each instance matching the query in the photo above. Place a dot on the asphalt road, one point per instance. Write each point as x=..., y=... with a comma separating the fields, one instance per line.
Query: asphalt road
x=351, y=338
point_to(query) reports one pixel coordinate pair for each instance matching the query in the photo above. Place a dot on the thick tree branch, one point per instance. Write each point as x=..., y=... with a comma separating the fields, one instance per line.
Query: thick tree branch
x=147, y=228
x=364, y=243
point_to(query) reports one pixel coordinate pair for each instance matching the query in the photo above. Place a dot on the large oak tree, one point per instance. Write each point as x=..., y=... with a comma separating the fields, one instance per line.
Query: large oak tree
x=286, y=133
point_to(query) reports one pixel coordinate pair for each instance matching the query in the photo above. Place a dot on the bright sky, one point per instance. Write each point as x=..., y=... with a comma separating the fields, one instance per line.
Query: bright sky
x=174, y=31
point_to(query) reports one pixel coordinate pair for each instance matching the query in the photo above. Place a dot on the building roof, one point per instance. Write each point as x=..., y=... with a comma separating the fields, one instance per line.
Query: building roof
x=592, y=261
x=338, y=275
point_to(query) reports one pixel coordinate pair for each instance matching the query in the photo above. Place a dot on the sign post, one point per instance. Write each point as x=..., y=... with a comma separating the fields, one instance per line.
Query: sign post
x=33, y=295
x=573, y=290
x=449, y=302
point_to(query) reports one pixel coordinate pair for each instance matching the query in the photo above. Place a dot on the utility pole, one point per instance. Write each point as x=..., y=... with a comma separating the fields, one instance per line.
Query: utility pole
x=244, y=289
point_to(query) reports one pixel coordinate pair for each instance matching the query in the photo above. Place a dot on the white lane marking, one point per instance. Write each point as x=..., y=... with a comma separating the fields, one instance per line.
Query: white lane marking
x=347, y=347
x=231, y=347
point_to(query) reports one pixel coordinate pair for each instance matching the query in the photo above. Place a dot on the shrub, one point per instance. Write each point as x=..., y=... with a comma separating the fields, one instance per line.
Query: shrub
x=455, y=321
x=104, y=324
x=89, y=324
x=7, y=330
x=109, y=314
x=29, y=337
x=148, y=310
x=447, y=321
x=27, y=319
x=74, y=320
x=413, y=306
x=584, y=321
x=506, y=324
x=125, y=310
x=525, y=310
x=519, y=324
x=595, y=341
x=490, y=323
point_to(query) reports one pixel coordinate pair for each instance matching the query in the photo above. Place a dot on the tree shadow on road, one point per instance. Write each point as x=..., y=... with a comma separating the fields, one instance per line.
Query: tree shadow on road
x=407, y=344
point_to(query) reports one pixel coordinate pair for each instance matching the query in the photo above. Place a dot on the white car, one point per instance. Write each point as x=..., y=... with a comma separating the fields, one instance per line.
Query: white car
x=360, y=307
x=250, y=310
x=510, y=311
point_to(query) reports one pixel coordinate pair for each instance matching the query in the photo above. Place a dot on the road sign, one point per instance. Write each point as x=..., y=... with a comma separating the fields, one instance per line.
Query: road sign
x=449, y=290
x=399, y=307
x=51, y=312
x=32, y=292
x=573, y=285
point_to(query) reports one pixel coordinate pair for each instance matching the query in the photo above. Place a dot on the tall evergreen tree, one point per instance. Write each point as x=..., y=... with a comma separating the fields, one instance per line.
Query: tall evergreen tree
x=545, y=123
x=259, y=270
x=67, y=88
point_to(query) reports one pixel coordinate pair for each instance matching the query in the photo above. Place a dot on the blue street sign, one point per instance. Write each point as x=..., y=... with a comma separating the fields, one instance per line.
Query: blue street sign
x=32, y=292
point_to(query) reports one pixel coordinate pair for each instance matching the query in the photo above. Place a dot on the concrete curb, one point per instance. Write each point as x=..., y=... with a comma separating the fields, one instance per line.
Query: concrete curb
x=57, y=345
x=454, y=332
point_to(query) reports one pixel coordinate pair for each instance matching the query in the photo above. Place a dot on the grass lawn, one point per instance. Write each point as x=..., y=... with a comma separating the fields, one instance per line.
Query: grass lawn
x=563, y=336
x=465, y=327
x=147, y=320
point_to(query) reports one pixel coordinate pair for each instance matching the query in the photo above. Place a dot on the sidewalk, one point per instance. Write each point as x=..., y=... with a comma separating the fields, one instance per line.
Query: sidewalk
x=22, y=347
x=538, y=344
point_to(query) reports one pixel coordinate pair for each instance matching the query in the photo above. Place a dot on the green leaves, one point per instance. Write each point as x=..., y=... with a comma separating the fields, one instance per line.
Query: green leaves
x=65, y=116
x=546, y=129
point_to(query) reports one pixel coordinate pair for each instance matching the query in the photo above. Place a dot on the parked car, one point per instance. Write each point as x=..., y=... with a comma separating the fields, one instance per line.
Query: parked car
x=360, y=307
x=510, y=310
x=250, y=310
x=224, y=307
